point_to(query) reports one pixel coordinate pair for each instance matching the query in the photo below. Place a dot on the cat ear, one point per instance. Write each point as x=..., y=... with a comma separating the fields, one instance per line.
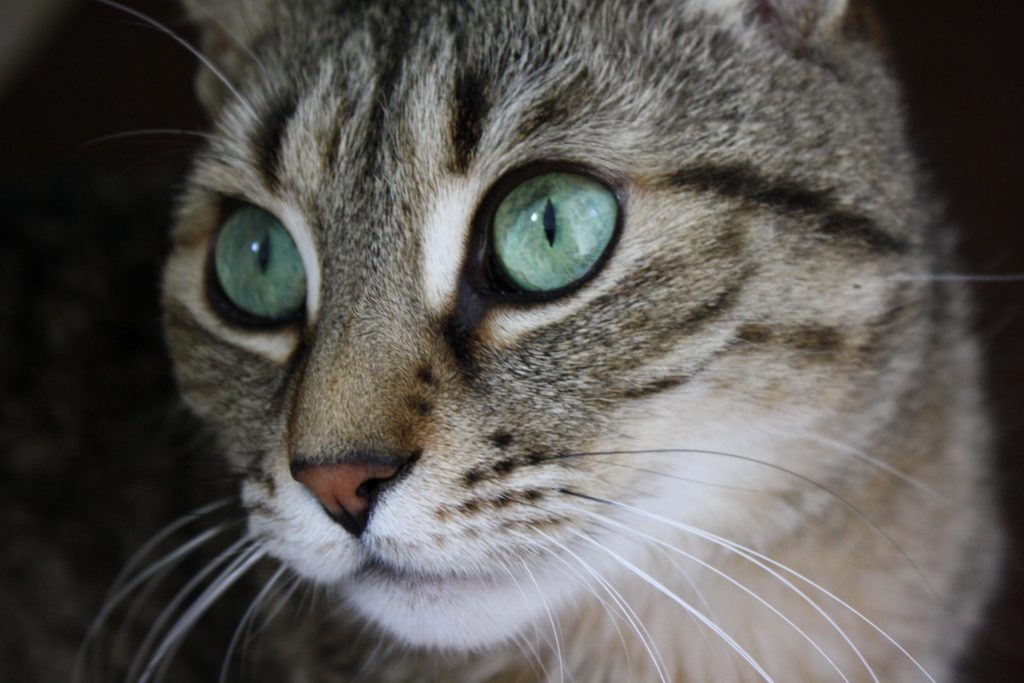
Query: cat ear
x=794, y=24
x=226, y=29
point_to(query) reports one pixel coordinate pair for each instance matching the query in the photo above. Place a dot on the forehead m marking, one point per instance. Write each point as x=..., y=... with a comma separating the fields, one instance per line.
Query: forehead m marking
x=268, y=138
x=469, y=110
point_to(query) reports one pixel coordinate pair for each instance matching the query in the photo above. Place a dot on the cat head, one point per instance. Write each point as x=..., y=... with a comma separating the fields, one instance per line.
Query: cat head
x=458, y=284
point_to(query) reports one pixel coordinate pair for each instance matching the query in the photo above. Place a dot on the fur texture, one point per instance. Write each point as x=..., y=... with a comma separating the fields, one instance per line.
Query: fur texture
x=763, y=363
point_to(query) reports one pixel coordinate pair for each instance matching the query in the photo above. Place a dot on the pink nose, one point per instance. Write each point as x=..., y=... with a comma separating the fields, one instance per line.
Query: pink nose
x=345, y=489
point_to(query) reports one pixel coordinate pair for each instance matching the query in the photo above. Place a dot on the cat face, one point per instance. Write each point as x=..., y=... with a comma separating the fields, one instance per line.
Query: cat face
x=448, y=420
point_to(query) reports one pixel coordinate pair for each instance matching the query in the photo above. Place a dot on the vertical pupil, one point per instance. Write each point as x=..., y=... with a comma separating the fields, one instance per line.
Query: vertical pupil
x=550, y=222
x=262, y=250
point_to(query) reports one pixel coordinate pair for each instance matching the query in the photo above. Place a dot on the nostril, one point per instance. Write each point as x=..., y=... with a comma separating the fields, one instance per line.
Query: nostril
x=368, y=489
x=347, y=489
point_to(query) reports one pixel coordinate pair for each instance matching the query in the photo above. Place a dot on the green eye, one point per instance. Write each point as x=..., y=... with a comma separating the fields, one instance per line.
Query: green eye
x=259, y=267
x=552, y=229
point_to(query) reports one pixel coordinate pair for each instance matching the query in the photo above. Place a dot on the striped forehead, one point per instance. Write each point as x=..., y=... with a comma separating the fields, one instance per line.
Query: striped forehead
x=388, y=155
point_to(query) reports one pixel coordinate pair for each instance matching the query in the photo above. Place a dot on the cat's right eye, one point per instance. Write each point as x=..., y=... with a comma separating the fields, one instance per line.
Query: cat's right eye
x=258, y=270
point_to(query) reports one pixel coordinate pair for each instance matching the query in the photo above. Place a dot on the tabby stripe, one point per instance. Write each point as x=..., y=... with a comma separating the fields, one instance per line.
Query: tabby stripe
x=470, y=108
x=549, y=112
x=329, y=155
x=653, y=387
x=269, y=136
x=390, y=68
x=821, y=339
x=787, y=196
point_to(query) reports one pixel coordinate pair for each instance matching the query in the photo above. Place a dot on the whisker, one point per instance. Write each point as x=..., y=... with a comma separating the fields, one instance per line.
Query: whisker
x=180, y=596
x=254, y=632
x=163, y=535
x=661, y=588
x=607, y=520
x=779, y=468
x=551, y=619
x=113, y=601
x=247, y=619
x=145, y=132
x=238, y=568
x=206, y=61
x=701, y=597
x=956, y=277
x=238, y=41
x=578, y=578
x=530, y=652
x=860, y=455
x=750, y=555
x=677, y=477
x=632, y=618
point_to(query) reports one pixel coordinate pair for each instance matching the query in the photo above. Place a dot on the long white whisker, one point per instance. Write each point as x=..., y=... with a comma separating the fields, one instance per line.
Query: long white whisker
x=180, y=596
x=955, y=277
x=751, y=554
x=530, y=652
x=136, y=559
x=551, y=620
x=285, y=598
x=701, y=597
x=113, y=601
x=661, y=588
x=206, y=61
x=187, y=620
x=253, y=631
x=779, y=468
x=146, y=132
x=247, y=619
x=607, y=520
x=860, y=455
x=238, y=41
x=579, y=579
x=632, y=618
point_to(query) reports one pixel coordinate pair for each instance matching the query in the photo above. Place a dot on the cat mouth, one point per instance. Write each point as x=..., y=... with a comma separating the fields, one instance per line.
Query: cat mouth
x=377, y=569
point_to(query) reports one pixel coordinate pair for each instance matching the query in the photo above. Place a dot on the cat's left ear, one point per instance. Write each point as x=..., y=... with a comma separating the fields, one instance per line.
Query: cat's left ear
x=226, y=29
x=793, y=24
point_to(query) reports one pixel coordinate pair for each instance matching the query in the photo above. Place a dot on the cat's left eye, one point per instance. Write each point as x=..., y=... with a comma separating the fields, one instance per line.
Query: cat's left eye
x=258, y=269
x=552, y=230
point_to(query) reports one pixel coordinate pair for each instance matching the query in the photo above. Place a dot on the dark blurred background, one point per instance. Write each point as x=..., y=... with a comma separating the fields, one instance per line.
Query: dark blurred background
x=97, y=72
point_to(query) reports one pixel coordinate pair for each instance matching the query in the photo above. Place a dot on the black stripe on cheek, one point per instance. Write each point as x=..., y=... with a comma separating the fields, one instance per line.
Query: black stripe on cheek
x=820, y=339
x=469, y=109
x=268, y=137
x=653, y=387
x=551, y=111
x=329, y=155
x=745, y=184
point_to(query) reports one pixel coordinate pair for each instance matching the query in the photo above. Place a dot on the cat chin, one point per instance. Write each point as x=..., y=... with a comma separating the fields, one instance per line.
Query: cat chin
x=452, y=614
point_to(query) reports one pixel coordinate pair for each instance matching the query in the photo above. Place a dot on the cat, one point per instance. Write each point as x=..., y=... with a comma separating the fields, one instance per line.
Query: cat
x=581, y=340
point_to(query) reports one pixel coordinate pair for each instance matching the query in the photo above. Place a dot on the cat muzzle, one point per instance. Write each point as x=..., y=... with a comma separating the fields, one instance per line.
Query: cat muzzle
x=348, y=488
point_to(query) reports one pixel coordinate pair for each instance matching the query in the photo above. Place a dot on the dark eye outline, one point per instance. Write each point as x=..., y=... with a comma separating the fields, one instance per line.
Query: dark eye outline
x=487, y=277
x=218, y=299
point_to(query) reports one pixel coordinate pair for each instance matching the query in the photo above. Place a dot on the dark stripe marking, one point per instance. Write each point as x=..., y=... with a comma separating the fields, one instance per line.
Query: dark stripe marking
x=329, y=154
x=469, y=109
x=787, y=196
x=815, y=338
x=269, y=136
x=655, y=387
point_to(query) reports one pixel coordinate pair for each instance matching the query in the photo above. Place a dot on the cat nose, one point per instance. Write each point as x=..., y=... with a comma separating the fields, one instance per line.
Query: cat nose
x=348, y=488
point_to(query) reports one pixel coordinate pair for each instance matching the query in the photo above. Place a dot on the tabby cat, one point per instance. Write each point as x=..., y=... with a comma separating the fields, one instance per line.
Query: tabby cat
x=585, y=340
